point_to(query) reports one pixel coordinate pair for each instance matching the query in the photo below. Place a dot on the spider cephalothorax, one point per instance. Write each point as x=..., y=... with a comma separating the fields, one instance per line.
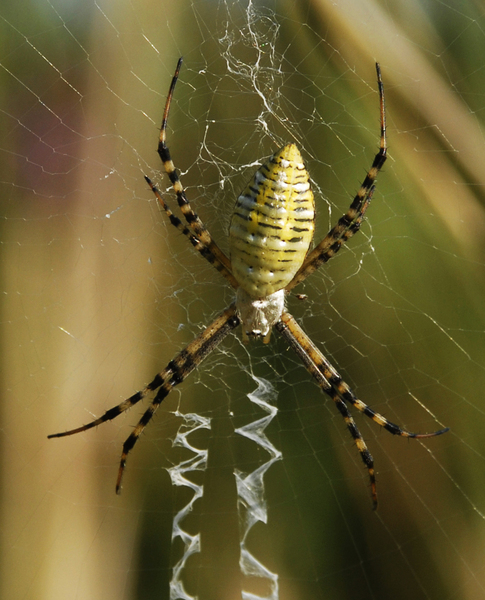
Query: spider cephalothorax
x=270, y=234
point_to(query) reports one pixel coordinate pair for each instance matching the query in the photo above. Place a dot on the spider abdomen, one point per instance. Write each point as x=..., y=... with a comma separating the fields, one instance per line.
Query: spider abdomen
x=272, y=224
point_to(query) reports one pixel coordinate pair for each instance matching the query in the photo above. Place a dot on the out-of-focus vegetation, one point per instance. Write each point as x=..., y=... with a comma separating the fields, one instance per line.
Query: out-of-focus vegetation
x=99, y=292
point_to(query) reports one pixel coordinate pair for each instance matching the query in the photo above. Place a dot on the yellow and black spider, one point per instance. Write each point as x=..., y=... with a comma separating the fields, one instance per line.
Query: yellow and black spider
x=270, y=235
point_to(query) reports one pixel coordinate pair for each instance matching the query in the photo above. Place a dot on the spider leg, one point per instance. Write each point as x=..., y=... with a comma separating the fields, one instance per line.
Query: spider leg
x=312, y=357
x=175, y=373
x=181, y=366
x=326, y=386
x=350, y=222
x=333, y=385
x=112, y=413
x=196, y=225
x=194, y=240
x=357, y=436
x=331, y=244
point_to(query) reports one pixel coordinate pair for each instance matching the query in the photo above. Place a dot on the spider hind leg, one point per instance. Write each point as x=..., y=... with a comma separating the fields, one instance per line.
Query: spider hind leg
x=333, y=385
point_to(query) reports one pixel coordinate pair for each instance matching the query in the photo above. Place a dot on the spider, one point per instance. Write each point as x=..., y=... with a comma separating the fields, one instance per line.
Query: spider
x=270, y=234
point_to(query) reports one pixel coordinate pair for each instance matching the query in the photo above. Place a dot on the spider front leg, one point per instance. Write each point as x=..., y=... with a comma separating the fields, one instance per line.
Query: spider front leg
x=334, y=386
x=350, y=222
x=212, y=251
x=175, y=373
x=334, y=240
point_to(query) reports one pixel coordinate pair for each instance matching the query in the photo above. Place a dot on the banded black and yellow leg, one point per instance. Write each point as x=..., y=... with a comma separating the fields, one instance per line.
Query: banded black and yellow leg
x=180, y=367
x=326, y=387
x=295, y=342
x=114, y=412
x=193, y=220
x=350, y=222
x=175, y=373
x=345, y=228
x=333, y=385
x=358, y=439
x=338, y=384
x=194, y=240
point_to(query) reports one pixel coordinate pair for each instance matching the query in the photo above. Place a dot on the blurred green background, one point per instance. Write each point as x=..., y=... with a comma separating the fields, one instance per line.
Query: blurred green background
x=99, y=293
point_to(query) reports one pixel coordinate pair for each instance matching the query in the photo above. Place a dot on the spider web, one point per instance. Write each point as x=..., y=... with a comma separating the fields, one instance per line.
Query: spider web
x=247, y=485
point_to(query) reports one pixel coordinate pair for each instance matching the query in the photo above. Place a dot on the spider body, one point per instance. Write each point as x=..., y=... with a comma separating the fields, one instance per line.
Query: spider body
x=271, y=230
x=272, y=224
x=270, y=235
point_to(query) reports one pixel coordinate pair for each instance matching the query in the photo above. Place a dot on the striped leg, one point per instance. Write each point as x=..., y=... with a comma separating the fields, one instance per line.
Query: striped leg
x=326, y=386
x=357, y=436
x=350, y=222
x=333, y=385
x=346, y=227
x=193, y=220
x=194, y=240
x=175, y=373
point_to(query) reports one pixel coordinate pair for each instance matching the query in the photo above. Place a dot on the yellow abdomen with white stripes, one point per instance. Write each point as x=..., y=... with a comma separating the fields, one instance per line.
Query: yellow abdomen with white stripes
x=272, y=225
